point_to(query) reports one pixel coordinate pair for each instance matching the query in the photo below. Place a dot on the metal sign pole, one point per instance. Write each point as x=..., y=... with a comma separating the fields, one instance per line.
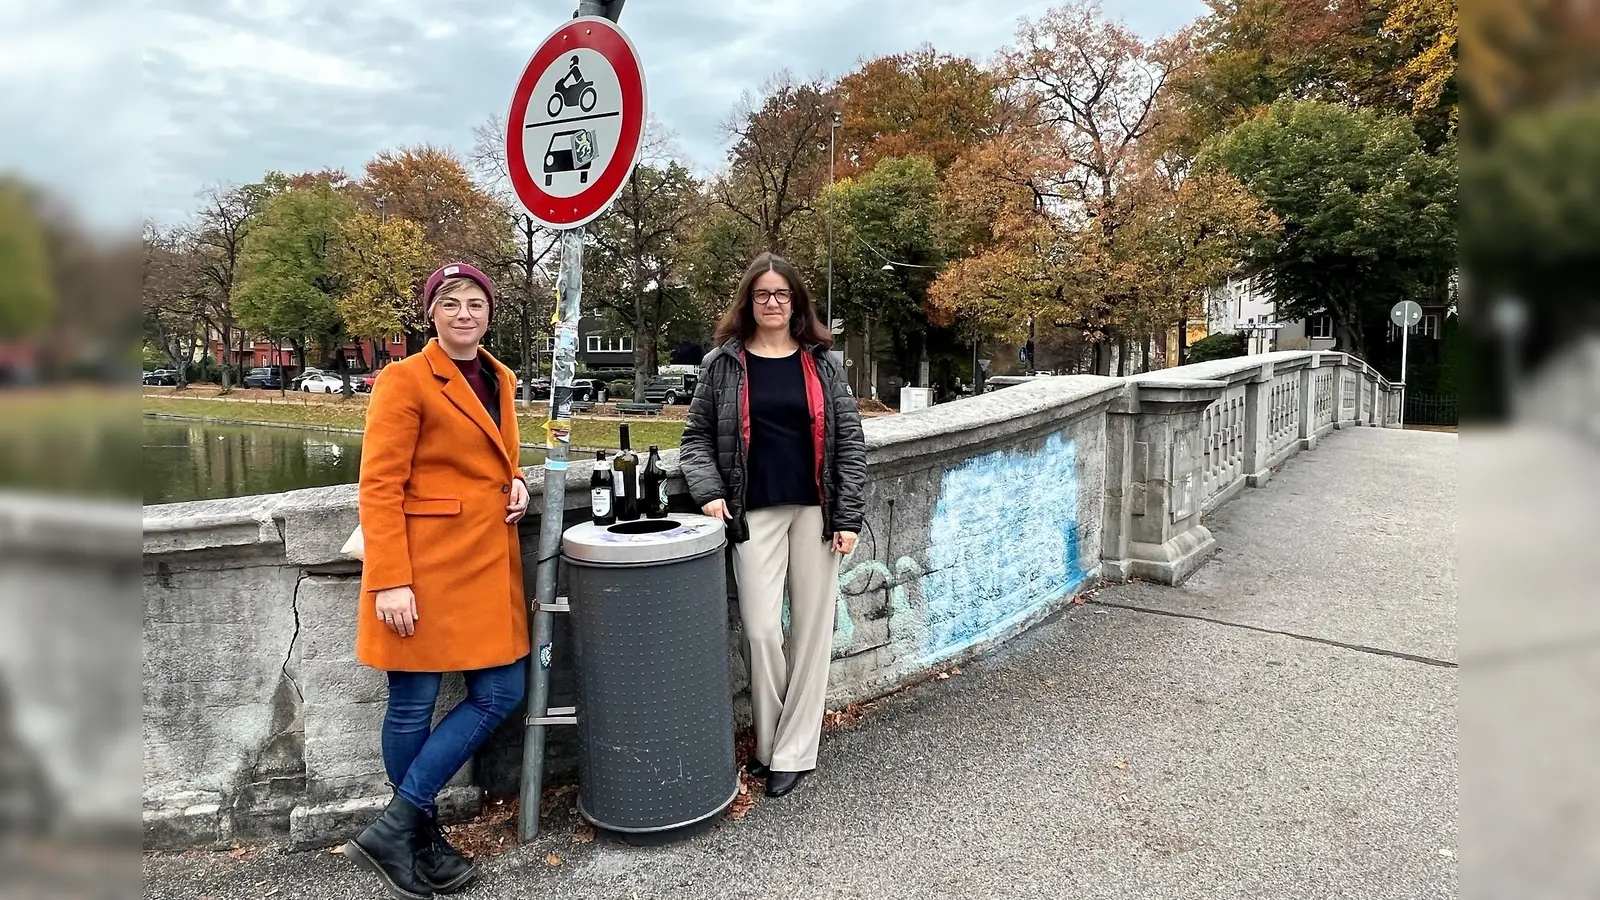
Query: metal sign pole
x=558, y=428
x=1405, y=347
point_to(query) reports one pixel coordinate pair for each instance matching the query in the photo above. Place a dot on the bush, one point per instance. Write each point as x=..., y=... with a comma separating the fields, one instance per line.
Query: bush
x=1217, y=346
x=620, y=390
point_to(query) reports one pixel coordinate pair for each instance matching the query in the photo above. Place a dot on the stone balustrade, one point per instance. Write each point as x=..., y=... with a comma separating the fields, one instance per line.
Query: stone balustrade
x=983, y=517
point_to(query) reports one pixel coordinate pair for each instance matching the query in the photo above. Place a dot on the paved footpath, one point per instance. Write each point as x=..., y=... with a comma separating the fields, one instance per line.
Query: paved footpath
x=1282, y=726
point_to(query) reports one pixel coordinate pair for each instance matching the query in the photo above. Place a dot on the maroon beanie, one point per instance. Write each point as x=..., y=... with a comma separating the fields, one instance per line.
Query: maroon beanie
x=456, y=270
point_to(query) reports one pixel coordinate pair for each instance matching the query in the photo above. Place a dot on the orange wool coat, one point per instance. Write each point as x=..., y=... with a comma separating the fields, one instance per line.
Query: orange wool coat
x=435, y=480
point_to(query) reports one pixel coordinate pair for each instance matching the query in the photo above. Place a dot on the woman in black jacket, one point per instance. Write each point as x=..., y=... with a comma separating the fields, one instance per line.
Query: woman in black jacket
x=774, y=446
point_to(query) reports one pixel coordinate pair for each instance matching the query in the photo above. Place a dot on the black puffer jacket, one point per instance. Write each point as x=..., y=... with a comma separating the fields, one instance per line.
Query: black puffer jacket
x=713, y=454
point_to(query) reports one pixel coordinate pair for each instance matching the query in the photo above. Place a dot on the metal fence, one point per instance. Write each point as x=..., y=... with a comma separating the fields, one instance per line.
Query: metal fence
x=1425, y=409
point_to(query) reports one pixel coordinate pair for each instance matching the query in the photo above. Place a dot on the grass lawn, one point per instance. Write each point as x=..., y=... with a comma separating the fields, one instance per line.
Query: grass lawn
x=586, y=432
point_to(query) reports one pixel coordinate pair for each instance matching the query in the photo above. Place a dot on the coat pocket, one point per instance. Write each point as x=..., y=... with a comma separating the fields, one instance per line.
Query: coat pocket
x=431, y=507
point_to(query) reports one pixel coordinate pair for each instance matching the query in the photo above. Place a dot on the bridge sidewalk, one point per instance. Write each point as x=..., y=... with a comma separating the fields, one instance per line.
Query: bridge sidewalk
x=1282, y=726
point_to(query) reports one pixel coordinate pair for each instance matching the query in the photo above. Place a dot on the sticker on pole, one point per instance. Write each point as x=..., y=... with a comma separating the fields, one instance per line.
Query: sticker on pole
x=576, y=123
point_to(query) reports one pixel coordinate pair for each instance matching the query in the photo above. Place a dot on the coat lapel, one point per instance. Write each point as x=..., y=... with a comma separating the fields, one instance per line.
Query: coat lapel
x=459, y=393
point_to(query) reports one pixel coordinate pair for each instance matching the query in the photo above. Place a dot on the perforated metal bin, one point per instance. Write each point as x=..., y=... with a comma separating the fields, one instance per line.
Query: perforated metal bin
x=654, y=691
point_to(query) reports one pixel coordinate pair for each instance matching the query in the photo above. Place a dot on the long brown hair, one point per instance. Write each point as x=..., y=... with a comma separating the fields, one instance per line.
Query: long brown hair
x=740, y=319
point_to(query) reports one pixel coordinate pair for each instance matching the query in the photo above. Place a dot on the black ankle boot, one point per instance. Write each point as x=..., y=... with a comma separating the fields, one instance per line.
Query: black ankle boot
x=389, y=848
x=441, y=865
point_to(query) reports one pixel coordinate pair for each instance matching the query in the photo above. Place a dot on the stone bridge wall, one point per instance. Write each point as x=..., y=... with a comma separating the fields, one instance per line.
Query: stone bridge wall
x=984, y=516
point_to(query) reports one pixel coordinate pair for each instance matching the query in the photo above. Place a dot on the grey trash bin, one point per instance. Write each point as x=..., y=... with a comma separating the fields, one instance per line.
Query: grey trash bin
x=654, y=691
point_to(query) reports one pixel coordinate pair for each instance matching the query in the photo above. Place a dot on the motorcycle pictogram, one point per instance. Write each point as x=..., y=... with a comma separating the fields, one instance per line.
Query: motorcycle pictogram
x=572, y=90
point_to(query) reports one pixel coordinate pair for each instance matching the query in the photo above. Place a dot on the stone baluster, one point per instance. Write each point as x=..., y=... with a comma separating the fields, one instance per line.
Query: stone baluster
x=1258, y=427
x=1154, y=474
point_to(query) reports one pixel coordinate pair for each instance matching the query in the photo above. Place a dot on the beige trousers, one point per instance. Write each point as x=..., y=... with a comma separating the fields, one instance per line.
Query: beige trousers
x=787, y=693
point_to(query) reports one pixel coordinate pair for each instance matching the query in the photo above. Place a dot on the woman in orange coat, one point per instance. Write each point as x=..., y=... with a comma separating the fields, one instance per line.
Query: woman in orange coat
x=441, y=584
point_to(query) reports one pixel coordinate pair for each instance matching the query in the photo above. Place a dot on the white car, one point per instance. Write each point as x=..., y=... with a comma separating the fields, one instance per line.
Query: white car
x=322, y=383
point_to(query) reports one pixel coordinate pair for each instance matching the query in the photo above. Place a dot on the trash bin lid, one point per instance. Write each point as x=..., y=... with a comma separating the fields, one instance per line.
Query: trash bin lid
x=643, y=540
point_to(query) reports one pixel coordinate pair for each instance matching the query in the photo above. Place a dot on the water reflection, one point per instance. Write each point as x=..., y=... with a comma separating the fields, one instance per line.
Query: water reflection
x=202, y=461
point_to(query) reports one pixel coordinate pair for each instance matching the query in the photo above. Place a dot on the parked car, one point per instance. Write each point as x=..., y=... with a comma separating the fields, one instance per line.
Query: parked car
x=322, y=383
x=300, y=379
x=540, y=389
x=363, y=383
x=584, y=389
x=161, y=377
x=266, y=378
x=670, y=389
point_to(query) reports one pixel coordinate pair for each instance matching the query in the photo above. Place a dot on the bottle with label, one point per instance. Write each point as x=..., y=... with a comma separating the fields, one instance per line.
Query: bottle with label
x=601, y=500
x=653, y=485
x=625, y=481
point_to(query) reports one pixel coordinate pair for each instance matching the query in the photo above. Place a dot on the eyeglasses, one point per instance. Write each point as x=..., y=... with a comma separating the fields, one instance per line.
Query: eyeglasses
x=780, y=297
x=475, y=308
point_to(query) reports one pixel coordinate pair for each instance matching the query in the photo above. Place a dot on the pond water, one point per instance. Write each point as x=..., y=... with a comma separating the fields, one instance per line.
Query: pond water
x=186, y=460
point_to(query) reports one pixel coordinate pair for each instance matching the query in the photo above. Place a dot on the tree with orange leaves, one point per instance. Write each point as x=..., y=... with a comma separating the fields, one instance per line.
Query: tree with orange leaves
x=432, y=187
x=923, y=103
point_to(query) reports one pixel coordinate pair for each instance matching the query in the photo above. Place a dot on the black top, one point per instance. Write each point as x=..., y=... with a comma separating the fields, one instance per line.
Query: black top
x=783, y=468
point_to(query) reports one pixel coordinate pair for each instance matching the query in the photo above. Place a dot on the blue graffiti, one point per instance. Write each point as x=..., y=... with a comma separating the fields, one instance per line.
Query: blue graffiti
x=1004, y=542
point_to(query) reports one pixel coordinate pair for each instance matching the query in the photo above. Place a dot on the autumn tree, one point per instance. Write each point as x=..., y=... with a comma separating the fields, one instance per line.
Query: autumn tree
x=640, y=256
x=432, y=187
x=173, y=297
x=381, y=262
x=1369, y=216
x=1091, y=88
x=225, y=220
x=1392, y=55
x=779, y=158
x=1184, y=238
x=922, y=103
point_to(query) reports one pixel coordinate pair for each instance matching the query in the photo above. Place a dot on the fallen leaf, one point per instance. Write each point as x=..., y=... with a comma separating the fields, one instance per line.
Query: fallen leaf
x=1121, y=764
x=553, y=859
x=956, y=671
x=583, y=833
x=942, y=676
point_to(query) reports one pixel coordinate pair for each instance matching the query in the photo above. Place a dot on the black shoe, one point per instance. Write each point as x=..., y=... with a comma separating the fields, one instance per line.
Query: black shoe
x=780, y=783
x=757, y=768
x=388, y=848
x=441, y=865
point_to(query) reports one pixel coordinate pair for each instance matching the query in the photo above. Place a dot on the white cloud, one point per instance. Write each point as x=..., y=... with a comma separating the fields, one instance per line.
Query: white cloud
x=235, y=88
x=206, y=46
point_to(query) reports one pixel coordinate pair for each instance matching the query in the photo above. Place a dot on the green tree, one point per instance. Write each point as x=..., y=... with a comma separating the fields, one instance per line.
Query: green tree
x=1369, y=216
x=886, y=215
x=290, y=278
x=27, y=295
x=638, y=259
x=1530, y=223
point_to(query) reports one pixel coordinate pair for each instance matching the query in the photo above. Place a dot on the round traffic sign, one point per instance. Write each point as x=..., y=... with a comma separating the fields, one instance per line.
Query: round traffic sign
x=1406, y=313
x=576, y=122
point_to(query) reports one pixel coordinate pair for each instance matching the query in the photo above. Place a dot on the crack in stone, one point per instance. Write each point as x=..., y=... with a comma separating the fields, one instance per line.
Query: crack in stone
x=294, y=604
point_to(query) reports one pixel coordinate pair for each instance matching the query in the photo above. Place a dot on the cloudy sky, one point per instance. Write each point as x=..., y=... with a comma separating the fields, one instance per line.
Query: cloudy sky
x=229, y=89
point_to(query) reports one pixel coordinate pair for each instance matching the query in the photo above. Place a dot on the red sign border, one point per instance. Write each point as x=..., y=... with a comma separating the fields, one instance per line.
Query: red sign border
x=609, y=41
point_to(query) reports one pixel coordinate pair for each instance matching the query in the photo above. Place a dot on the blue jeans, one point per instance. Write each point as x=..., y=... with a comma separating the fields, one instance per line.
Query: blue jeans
x=421, y=759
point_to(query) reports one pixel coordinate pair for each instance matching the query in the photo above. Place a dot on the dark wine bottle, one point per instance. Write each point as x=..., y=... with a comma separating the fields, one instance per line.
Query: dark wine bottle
x=601, y=500
x=626, y=481
x=653, y=485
